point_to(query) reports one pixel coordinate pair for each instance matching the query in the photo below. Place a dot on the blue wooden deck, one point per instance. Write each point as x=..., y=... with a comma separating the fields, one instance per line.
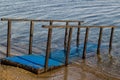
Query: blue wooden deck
x=36, y=62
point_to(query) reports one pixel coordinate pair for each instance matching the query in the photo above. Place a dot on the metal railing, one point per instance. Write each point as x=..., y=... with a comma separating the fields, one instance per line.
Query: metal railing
x=48, y=46
x=31, y=29
x=67, y=38
x=86, y=37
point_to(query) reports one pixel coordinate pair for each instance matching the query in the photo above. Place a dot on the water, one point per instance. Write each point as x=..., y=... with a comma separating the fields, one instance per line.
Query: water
x=93, y=12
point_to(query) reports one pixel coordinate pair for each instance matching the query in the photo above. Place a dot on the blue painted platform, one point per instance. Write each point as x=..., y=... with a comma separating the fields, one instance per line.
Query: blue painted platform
x=35, y=63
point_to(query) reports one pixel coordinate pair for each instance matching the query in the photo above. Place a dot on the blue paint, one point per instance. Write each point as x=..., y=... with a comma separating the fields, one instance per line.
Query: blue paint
x=75, y=52
x=40, y=60
x=57, y=57
x=23, y=62
x=35, y=61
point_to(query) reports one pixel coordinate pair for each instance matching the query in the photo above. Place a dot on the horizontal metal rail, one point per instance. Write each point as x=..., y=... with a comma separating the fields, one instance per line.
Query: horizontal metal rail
x=74, y=26
x=38, y=20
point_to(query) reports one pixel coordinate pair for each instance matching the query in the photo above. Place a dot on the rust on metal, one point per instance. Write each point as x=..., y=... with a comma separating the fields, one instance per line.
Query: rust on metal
x=31, y=36
x=85, y=43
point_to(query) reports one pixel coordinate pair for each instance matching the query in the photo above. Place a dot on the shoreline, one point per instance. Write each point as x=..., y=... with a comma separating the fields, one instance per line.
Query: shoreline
x=78, y=70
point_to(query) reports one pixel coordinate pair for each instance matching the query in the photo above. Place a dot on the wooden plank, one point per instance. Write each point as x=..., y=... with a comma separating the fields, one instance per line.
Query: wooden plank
x=68, y=47
x=9, y=38
x=99, y=41
x=39, y=20
x=31, y=36
x=74, y=26
x=111, y=39
x=85, y=43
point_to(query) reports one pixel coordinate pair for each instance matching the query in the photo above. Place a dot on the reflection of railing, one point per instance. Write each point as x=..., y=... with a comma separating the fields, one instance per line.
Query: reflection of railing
x=67, y=38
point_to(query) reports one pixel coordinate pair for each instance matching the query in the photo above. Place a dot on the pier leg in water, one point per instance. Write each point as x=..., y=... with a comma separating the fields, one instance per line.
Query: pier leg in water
x=85, y=43
x=9, y=38
x=51, y=23
x=78, y=38
x=65, y=38
x=111, y=39
x=31, y=36
x=48, y=49
x=99, y=41
x=68, y=47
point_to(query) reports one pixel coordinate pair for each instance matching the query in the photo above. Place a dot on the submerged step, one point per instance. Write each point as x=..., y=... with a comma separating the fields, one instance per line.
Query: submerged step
x=75, y=52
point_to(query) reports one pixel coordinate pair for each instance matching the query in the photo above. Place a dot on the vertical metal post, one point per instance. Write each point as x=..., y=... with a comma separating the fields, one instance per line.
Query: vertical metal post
x=111, y=39
x=99, y=41
x=31, y=36
x=9, y=38
x=66, y=34
x=48, y=48
x=85, y=43
x=51, y=23
x=78, y=36
x=68, y=47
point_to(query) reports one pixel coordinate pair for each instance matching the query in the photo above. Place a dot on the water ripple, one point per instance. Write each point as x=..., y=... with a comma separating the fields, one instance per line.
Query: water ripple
x=93, y=12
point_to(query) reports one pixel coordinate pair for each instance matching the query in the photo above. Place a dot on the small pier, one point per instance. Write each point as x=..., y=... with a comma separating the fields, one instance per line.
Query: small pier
x=43, y=63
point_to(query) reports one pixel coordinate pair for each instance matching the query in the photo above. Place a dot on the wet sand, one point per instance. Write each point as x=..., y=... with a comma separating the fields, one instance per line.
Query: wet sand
x=71, y=72
x=93, y=68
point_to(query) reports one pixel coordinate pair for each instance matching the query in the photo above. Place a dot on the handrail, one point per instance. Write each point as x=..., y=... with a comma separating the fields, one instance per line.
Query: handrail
x=86, y=35
x=39, y=20
x=67, y=39
x=74, y=26
x=10, y=20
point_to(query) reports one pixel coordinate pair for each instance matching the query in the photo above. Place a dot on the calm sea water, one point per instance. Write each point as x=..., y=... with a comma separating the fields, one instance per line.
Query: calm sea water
x=92, y=12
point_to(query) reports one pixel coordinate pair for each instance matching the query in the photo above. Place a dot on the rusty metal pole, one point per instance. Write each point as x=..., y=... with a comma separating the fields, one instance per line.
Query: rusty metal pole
x=48, y=48
x=85, y=43
x=9, y=38
x=78, y=37
x=51, y=23
x=111, y=39
x=99, y=41
x=68, y=47
x=31, y=36
x=66, y=35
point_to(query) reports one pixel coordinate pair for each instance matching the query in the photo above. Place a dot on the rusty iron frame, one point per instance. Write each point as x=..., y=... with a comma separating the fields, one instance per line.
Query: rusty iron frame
x=86, y=35
x=67, y=37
